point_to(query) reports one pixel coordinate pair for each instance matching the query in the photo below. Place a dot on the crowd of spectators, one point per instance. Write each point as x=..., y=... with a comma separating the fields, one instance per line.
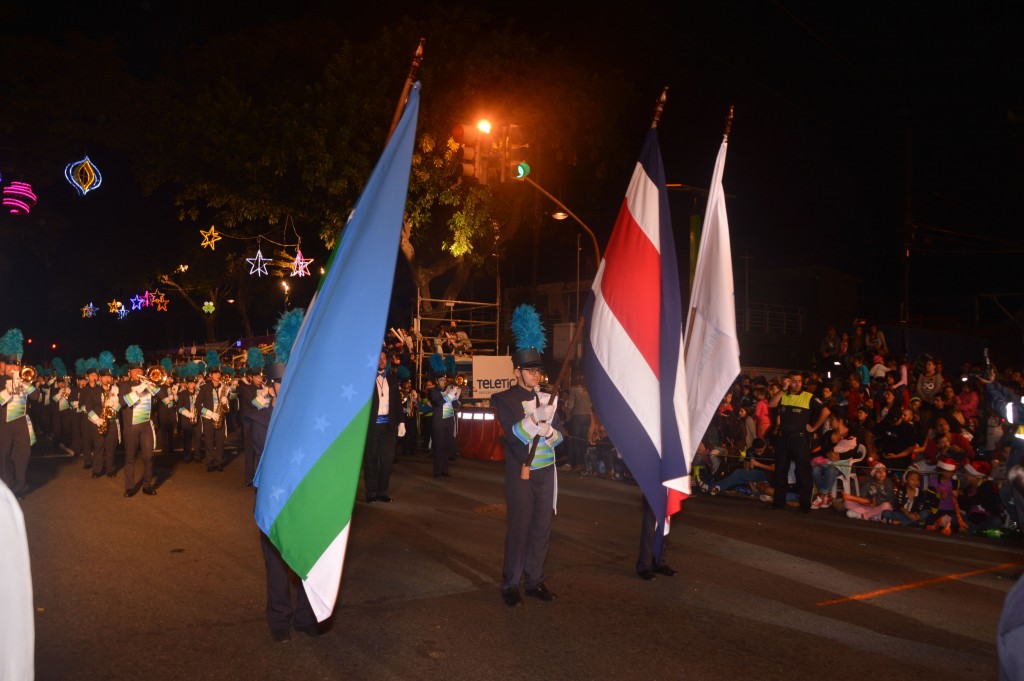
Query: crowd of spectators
x=903, y=443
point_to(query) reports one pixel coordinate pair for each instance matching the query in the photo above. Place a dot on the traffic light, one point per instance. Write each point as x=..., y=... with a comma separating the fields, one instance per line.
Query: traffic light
x=520, y=170
x=512, y=167
x=475, y=141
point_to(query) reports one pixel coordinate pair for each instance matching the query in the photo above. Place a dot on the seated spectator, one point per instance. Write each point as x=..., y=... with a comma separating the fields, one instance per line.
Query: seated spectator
x=909, y=507
x=838, y=445
x=969, y=401
x=941, y=499
x=863, y=428
x=979, y=498
x=756, y=466
x=929, y=382
x=874, y=341
x=762, y=416
x=878, y=367
x=878, y=497
x=888, y=406
x=959, y=447
x=895, y=440
x=860, y=370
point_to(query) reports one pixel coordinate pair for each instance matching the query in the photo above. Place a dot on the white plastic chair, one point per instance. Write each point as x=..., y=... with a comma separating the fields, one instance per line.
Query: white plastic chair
x=846, y=473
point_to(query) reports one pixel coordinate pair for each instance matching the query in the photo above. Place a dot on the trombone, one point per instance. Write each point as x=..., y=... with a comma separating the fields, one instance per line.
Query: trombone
x=154, y=376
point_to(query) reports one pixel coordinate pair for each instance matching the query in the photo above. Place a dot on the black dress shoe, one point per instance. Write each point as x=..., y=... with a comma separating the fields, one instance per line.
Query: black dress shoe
x=150, y=490
x=371, y=500
x=646, y=575
x=512, y=598
x=384, y=497
x=665, y=570
x=541, y=592
x=97, y=475
x=281, y=636
x=312, y=630
x=110, y=475
x=130, y=492
x=87, y=465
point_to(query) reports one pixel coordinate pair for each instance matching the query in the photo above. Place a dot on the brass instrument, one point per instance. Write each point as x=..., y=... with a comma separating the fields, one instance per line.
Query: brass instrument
x=460, y=381
x=222, y=400
x=154, y=376
x=107, y=414
x=28, y=374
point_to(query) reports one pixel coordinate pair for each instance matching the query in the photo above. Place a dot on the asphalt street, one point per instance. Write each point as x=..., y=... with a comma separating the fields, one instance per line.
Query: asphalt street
x=172, y=587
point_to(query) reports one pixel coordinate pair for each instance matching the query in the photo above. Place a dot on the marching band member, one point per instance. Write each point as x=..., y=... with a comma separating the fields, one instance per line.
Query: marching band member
x=107, y=430
x=186, y=403
x=249, y=387
x=385, y=426
x=16, y=436
x=212, y=407
x=444, y=398
x=90, y=398
x=167, y=410
x=137, y=401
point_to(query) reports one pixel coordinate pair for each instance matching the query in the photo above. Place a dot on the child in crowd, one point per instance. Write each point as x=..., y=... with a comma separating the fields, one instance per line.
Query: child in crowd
x=879, y=496
x=944, y=511
x=838, y=446
x=909, y=508
x=979, y=499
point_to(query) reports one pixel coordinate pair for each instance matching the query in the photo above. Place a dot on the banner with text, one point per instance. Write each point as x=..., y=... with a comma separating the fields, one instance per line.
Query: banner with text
x=491, y=375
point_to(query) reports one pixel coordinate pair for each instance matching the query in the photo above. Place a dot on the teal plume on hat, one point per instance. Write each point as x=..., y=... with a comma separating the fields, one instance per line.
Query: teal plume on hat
x=286, y=331
x=11, y=343
x=212, y=360
x=91, y=363
x=79, y=367
x=437, y=364
x=167, y=364
x=528, y=329
x=449, y=364
x=254, y=358
x=59, y=368
x=106, y=361
x=134, y=355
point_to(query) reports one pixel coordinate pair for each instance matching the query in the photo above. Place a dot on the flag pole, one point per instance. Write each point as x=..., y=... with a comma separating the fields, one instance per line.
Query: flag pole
x=659, y=106
x=414, y=67
x=728, y=121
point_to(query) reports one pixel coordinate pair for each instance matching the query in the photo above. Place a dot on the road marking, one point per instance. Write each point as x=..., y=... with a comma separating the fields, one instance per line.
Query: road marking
x=914, y=585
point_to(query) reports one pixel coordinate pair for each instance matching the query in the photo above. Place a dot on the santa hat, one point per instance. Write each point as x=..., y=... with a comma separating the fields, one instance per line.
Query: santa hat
x=979, y=469
x=877, y=467
x=946, y=465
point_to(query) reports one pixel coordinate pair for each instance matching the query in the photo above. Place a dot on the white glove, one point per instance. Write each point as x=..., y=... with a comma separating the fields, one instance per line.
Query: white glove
x=139, y=389
x=545, y=430
x=401, y=430
x=190, y=414
x=5, y=394
x=544, y=412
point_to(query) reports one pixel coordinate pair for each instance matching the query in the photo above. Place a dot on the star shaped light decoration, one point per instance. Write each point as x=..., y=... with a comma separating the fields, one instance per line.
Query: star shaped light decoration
x=210, y=237
x=208, y=307
x=89, y=310
x=147, y=299
x=258, y=264
x=122, y=312
x=114, y=306
x=136, y=303
x=300, y=268
x=160, y=301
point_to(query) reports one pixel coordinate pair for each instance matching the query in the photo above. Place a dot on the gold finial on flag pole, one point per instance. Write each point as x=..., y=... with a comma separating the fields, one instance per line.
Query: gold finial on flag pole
x=414, y=67
x=659, y=106
x=728, y=120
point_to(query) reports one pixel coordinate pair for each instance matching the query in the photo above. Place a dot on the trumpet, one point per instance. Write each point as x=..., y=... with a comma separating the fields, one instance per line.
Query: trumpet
x=28, y=374
x=154, y=376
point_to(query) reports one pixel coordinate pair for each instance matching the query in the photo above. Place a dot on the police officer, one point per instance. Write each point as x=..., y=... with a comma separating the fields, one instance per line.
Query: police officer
x=800, y=414
x=530, y=422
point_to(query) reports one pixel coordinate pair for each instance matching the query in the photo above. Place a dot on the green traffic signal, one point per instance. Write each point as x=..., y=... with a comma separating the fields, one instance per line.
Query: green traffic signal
x=522, y=170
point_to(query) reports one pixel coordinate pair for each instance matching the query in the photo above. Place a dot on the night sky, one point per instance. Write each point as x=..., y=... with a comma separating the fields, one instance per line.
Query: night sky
x=842, y=113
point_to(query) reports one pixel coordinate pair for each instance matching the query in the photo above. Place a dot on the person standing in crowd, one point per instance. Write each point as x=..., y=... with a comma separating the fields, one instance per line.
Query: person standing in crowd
x=385, y=427
x=77, y=413
x=167, y=414
x=136, y=397
x=16, y=436
x=212, y=407
x=426, y=411
x=530, y=421
x=800, y=415
x=444, y=399
x=578, y=409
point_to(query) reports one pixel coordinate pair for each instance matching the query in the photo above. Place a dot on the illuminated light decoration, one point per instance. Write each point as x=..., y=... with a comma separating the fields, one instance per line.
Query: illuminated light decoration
x=136, y=303
x=18, y=197
x=208, y=307
x=147, y=299
x=300, y=268
x=114, y=306
x=83, y=176
x=258, y=264
x=160, y=302
x=122, y=312
x=89, y=310
x=210, y=238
